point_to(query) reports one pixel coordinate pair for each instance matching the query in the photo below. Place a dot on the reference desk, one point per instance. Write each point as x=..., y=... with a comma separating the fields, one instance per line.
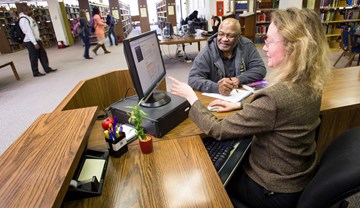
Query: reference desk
x=340, y=106
x=178, y=173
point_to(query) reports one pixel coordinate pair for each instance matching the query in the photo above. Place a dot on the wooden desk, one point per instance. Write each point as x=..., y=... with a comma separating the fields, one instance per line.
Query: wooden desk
x=37, y=168
x=186, y=39
x=179, y=160
x=340, y=106
x=178, y=173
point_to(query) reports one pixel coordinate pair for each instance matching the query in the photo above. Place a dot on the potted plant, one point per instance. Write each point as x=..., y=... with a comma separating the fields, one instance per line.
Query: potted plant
x=136, y=117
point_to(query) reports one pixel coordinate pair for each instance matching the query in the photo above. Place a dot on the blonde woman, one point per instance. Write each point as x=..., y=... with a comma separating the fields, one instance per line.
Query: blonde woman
x=282, y=118
x=99, y=25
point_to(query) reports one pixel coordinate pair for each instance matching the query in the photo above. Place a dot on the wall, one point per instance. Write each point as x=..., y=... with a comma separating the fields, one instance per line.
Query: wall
x=57, y=21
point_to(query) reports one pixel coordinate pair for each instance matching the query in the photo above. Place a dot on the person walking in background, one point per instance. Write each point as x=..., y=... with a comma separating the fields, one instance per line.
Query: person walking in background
x=111, y=21
x=85, y=33
x=33, y=43
x=99, y=26
x=281, y=119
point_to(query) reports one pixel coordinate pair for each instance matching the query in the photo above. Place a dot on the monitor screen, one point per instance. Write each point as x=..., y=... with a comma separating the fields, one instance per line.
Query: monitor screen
x=146, y=67
x=191, y=29
x=170, y=27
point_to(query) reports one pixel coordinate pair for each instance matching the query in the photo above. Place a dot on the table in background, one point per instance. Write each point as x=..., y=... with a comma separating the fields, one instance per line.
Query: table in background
x=177, y=40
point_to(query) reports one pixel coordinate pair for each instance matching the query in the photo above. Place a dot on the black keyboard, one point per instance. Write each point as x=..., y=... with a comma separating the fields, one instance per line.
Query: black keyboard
x=219, y=151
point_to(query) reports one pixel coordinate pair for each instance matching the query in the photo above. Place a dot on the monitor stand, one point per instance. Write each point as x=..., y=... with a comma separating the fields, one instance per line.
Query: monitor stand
x=156, y=99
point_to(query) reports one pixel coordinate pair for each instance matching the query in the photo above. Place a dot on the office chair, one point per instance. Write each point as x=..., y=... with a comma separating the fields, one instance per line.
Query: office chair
x=349, y=46
x=336, y=178
x=338, y=173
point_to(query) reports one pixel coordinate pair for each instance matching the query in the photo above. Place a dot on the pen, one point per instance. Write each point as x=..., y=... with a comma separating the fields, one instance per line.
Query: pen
x=233, y=85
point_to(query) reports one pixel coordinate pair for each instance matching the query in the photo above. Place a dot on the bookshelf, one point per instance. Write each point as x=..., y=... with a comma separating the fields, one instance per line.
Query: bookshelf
x=101, y=7
x=263, y=9
x=7, y=20
x=247, y=22
x=335, y=15
x=42, y=16
x=166, y=12
x=125, y=19
x=72, y=12
x=241, y=7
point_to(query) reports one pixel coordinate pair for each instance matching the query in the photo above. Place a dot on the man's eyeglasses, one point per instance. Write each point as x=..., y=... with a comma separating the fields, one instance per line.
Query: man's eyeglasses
x=228, y=36
x=267, y=42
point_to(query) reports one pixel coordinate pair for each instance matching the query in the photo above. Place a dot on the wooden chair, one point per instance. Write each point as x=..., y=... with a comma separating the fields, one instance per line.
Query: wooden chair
x=349, y=46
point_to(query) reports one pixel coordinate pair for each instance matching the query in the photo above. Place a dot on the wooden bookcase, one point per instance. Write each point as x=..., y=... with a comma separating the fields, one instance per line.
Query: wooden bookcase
x=337, y=14
x=8, y=18
x=7, y=21
x=42, y=16
x=263, y=9
x=241, y=7
x=125, y=19
x=121, y=12
x=247, y=22
x=166, y=12
x=72, y=12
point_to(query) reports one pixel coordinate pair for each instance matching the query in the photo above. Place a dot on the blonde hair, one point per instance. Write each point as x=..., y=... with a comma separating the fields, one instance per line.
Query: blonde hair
x=307, y=59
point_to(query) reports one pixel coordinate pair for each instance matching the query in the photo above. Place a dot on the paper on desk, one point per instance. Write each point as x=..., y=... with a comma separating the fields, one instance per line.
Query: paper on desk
x=91, y=167
x=130, y=133
x=235, y=95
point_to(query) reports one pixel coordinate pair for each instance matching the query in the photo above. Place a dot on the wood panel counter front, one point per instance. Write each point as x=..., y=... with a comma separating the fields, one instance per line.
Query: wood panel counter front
x=178, y=173
x=37, y=168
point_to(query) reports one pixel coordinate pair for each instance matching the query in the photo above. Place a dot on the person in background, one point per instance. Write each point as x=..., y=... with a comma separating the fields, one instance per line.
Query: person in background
x=227, y=61
x=85, y=33
x=194, y=16
x=282, y=118
x=33, y=43
x=110, y=21
x=99, y=30
x=215, y=22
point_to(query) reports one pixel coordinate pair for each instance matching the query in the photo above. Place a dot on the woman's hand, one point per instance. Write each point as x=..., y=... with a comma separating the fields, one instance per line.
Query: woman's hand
x=183, y=90
x=227, y=106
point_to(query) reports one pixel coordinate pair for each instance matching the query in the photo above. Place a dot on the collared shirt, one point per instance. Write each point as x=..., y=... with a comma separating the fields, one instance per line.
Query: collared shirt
x=31, y=30
x=229, y=63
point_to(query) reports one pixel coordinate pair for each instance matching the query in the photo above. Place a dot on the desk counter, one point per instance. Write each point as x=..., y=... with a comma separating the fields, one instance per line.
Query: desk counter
x=178, y=173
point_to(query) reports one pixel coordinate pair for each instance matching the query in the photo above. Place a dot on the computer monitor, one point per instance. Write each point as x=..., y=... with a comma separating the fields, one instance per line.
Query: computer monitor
x=169, y=25
x=191, y=27
x=146, y=67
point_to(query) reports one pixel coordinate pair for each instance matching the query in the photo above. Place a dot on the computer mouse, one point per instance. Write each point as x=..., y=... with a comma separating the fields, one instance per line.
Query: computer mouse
x=214, y=108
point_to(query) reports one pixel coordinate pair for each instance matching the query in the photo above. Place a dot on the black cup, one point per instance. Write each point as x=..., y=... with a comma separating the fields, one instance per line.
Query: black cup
x=118, y=146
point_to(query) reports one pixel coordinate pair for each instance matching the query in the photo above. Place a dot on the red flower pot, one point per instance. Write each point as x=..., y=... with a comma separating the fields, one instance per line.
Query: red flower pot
x=146, y=146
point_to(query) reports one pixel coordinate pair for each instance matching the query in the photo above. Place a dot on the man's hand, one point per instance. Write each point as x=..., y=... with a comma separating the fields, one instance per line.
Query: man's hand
x=226, y=85
x=37, y=46
x=236, y=82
